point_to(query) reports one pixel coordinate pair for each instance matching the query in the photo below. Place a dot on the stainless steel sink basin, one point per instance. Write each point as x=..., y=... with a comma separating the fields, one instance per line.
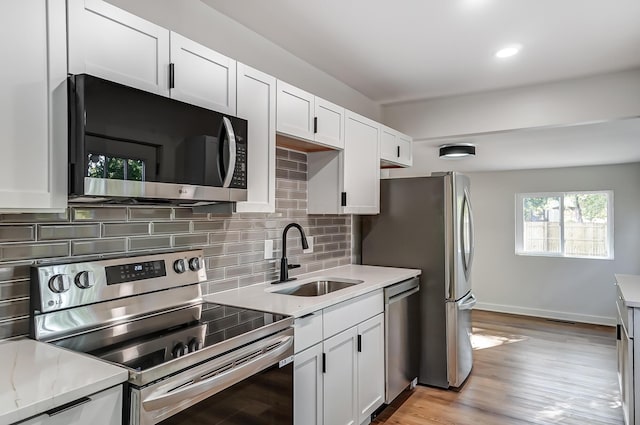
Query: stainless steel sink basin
x=319, y=287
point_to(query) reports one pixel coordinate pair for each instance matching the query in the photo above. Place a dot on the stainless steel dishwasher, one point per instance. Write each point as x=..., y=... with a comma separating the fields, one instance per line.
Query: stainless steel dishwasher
x=402, y=336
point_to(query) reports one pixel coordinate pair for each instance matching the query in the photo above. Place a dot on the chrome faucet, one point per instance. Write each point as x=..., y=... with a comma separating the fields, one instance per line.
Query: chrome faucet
x=284, y=263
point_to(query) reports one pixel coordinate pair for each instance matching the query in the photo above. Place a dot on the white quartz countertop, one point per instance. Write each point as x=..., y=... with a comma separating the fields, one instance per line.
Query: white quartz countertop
x=36, y=377
x=630, y=287
x=262, y=296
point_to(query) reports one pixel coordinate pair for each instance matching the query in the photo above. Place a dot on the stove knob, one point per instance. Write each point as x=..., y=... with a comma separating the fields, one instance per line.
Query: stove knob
x=84, y=279
x=179, y=350
x=179, y=266
x=195, y=264
x=194, y=345
x=60, y=283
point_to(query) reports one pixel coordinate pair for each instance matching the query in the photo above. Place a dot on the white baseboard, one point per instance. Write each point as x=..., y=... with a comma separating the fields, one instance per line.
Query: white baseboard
x=547, y=314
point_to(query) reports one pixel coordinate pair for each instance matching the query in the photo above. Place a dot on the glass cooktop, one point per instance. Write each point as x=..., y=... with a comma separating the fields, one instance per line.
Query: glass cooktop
x=219, y=326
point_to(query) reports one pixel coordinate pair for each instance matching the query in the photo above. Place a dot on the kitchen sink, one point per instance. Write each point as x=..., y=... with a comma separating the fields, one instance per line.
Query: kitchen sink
x=319, y=287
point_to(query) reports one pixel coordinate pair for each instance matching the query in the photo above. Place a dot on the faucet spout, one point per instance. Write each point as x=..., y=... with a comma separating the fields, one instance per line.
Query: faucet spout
x=284, y=263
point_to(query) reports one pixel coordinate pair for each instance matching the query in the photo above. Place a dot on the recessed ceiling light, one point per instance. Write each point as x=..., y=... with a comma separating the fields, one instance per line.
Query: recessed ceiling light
x=457, y=150
x=508, y=51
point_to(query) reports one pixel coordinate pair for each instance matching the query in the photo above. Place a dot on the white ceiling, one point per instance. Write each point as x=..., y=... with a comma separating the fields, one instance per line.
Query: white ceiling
x=414, y=49
x=613, y=142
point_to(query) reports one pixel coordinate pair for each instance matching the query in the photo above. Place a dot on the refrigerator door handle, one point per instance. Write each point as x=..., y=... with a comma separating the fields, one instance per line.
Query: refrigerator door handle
x=467, y=303
x=467, y=258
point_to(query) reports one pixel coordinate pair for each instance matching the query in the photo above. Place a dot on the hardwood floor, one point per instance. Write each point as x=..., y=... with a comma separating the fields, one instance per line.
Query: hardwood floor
x=526, y=371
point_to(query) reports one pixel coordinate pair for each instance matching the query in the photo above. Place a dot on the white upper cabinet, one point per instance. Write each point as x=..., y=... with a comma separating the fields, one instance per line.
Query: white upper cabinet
x=33, y=106
x=347, y=181
x=361, y=165
x=113, y=44
x=201, y=76
x=295, y=111
x=305, y=116
x=256, y=103
x=329, y=124
x=395, y=148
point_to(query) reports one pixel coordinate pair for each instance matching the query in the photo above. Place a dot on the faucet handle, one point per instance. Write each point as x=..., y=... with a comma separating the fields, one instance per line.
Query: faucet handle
x=293, y=266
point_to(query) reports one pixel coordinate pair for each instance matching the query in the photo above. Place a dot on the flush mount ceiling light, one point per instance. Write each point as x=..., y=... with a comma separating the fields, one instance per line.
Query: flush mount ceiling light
x=457, y=150
x=508, y=51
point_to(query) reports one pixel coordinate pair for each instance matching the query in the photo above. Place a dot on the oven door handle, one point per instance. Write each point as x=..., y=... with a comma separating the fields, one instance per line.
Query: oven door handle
x=219, y=382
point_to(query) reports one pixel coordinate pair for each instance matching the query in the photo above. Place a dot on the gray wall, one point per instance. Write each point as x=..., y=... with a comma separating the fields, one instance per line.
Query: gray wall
x=233, y=244
x=199, y=22
x=562, y=288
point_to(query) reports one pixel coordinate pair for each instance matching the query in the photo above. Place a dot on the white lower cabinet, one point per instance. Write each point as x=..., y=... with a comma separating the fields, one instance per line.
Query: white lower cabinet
x=340, y=380
x=370, y=360
x=307, y=382
x=104, y=408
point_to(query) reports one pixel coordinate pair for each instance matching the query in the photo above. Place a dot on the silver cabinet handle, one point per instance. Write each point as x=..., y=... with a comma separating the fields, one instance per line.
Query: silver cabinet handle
x=218, y=382
x=228, y=127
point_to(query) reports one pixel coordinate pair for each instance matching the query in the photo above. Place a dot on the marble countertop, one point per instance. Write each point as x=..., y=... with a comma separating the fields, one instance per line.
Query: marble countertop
x=630, y=287
x=262, y=296
x=36, y=377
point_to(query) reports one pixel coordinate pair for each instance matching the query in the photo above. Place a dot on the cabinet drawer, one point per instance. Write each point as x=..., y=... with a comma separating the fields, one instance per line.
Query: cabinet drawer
x=349, y=313
x=307, y=331
x=625, y=313
x=104, y=408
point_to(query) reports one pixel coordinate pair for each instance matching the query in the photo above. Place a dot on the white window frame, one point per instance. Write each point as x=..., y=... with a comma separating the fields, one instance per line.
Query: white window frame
x=519, y=222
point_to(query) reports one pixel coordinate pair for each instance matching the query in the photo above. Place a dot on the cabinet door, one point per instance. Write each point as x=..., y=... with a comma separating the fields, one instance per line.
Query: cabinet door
x=395, y=148
x=202, y=76
x=370, y=366
x=389, y=144
x=329, y=124
x=361, y=165
x=295, y=111
x=257, y=104
x=307, y=386
x=110, y=43
x=33, y=106
x=406, y=150
x=340, y=379
x=104, y=408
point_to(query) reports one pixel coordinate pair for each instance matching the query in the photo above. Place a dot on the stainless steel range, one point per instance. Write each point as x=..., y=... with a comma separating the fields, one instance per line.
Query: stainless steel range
x=189, y=361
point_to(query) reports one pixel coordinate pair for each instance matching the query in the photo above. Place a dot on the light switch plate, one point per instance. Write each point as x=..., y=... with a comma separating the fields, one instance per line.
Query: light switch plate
x=310, y=243
x=268, y=249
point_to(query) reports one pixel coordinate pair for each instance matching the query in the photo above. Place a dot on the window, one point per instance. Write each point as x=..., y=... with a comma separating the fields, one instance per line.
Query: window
x=565, y=224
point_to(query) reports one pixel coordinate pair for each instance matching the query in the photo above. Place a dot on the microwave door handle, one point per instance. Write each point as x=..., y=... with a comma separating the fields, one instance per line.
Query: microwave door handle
x=231, y=137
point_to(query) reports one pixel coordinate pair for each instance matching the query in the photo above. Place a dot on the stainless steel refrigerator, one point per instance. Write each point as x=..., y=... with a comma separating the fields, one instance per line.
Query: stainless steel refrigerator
x=427, y=223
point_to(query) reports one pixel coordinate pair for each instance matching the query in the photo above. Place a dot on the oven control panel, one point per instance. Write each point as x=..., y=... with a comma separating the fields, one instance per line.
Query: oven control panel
x=62, y=286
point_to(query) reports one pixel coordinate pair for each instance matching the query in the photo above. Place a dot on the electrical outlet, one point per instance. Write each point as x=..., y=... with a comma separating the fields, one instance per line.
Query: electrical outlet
x=268, y=249
x=310, y=243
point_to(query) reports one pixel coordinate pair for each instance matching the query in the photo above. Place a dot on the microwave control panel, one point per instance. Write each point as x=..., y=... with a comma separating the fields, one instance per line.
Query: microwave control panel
x=239, y=179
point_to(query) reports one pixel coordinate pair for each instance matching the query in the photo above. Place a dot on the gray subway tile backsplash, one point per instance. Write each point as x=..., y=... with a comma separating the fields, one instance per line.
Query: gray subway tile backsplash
x=171, y=227
x=33, y=251
x=99, y=246
x=151, y=242
x=124, y=229
x=77, y=231
x=99, y=214
x=9, y=233
x=232, y=244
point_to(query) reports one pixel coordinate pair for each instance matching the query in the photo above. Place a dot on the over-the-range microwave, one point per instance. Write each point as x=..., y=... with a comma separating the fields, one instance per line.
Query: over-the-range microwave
x=127, y=144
